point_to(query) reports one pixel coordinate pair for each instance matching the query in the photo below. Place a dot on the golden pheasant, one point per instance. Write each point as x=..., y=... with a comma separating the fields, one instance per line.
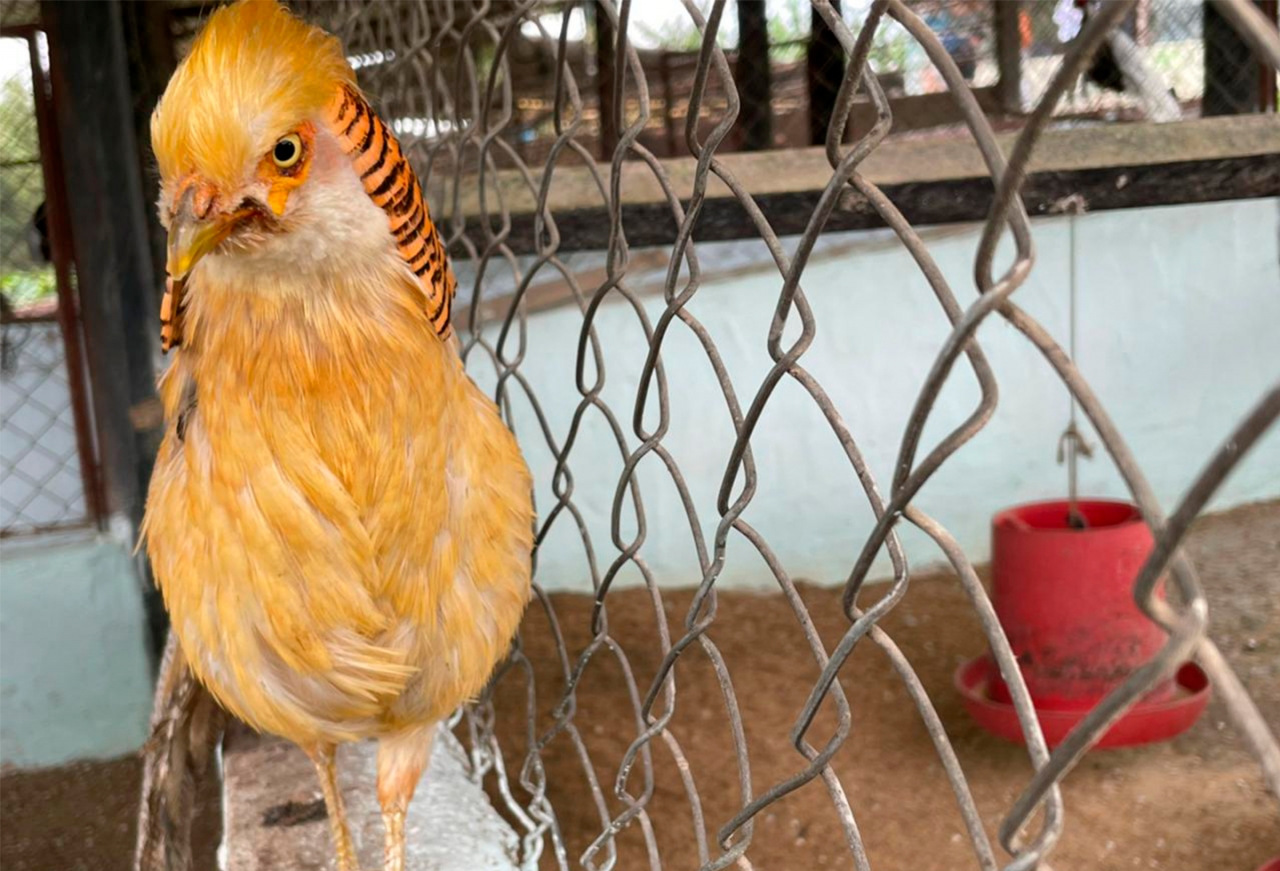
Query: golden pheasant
x=339, y=520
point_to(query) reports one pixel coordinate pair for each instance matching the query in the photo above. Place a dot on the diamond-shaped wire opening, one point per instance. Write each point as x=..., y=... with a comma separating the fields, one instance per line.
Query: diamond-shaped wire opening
x=428, y=66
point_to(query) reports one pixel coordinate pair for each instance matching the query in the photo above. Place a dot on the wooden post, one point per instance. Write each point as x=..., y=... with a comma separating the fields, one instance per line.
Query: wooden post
x=1230, y=83
x=606, y=70
x=668, y=102
x=1008, y=29
x=753, y=74
x=114, y=271
x=1267, y=73
x=1142, y=23
x=149, y=48
x=825, y=70
x=60, y=246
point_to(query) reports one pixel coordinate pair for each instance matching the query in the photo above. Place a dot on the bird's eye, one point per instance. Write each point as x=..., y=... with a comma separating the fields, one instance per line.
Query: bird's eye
x=287, y=151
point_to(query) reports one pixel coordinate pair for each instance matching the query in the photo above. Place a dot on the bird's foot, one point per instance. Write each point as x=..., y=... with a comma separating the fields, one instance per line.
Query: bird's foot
x=325, y=761
x=394, y=823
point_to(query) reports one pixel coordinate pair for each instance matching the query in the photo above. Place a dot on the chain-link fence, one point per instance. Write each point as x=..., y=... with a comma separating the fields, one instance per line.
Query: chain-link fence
x=458, y=81
x=1169, y=59
x=41, y=486
x=46, y=465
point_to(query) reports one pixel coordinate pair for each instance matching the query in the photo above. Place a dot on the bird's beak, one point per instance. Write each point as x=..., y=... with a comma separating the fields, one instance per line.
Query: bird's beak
x=191, y=237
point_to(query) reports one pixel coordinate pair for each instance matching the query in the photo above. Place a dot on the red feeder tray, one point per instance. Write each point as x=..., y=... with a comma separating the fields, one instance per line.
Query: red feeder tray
x=1150, y=720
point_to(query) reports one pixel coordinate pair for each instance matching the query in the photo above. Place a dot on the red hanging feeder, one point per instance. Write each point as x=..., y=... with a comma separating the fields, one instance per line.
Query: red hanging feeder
x=1064, y=596
x=1063, y=575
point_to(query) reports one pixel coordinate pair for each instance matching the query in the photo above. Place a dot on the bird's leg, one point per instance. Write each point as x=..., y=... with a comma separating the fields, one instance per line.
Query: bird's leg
x=322, y=756
x=402, y=759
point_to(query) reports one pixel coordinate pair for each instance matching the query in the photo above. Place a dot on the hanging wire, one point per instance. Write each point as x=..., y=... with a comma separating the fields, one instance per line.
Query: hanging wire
x=1072, y=444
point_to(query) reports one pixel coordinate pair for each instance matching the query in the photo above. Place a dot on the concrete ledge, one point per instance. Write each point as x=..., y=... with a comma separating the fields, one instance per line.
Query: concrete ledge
x=275, y=818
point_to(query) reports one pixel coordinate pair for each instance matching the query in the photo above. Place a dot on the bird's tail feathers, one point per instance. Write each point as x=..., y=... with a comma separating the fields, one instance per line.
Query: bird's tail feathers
x=186, y=725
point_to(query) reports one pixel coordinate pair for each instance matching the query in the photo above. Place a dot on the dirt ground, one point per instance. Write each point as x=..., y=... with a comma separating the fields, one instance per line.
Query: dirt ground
x=1194, y=804
x=81, y=817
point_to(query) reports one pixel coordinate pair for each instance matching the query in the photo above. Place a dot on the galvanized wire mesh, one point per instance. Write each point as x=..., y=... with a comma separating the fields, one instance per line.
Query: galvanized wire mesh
x=445, y=73
x=41, y=479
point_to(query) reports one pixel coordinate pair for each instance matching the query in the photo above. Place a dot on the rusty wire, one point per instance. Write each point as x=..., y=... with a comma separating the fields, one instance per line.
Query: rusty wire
x=448, y=63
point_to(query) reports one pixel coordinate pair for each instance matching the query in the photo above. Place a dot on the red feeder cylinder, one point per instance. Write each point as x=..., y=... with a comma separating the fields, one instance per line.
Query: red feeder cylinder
x=1064, y=596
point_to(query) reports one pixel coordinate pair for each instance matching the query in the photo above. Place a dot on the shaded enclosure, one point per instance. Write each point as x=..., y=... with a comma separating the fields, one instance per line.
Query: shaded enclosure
x=457, y=79
x=579, y=155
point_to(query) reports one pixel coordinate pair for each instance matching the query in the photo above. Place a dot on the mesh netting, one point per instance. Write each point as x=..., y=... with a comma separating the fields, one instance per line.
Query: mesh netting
x=41, y=479
x=499, y=100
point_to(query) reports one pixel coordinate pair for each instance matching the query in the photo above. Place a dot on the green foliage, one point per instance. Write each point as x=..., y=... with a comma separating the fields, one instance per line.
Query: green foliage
x=25, y=287
x=789, y=26
x=789, y=23
x=891, y=49
x=18, y=120
x=674, y=33
x=22, y=281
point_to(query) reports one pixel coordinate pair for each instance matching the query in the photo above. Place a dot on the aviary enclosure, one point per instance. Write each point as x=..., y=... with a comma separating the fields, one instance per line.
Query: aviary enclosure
x=508, y=124
x=538, y=144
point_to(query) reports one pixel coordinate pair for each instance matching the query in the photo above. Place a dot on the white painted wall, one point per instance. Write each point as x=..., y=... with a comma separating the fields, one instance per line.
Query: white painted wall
x=1179, y=314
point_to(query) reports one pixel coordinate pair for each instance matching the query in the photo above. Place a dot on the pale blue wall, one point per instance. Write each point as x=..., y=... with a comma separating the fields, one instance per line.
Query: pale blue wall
x=74, y=679
x=1179, y=333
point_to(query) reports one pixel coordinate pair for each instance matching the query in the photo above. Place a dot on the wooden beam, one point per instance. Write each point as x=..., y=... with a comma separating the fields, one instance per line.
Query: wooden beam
x=933, y=181
x=921, y=111
x=115, y=276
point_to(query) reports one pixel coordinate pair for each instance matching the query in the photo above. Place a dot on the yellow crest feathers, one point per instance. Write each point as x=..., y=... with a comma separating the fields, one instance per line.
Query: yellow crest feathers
x=253, y=73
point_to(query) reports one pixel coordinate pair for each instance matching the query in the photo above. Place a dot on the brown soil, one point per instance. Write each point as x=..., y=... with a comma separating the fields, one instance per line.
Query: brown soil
x=1195, y=804
x=82, y=817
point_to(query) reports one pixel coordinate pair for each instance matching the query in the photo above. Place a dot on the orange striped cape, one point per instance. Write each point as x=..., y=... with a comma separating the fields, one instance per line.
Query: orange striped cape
x=393, y=186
